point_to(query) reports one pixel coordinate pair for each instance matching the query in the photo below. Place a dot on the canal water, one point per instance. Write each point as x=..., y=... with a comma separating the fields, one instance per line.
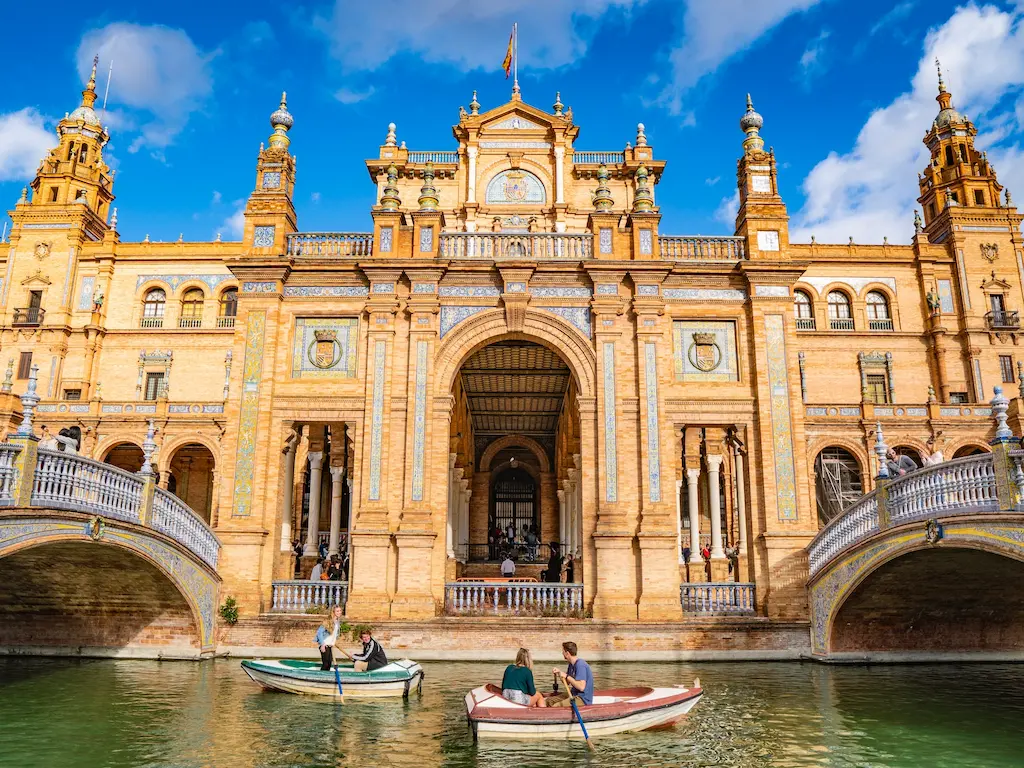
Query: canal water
x=80, y=714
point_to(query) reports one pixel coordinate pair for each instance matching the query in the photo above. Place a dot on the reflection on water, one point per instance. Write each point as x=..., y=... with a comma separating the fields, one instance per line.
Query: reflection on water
x=185, y=715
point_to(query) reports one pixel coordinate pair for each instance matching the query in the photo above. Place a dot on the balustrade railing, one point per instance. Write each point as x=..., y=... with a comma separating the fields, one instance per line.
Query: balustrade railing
x=717, y=598
x=330, y=244
x=433, y=156
x=519, y=552
x=8, y=470
x=174, y=518
x=297, y=596
x=502, y=597
x=697, y=248
x=69, y=481
x=532, y=245
x=598, y=158
x=960, y=486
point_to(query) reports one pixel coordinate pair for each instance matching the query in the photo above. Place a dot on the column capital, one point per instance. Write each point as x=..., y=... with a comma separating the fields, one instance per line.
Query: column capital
x=714, y=462
x=559, y=151
x=337, y=473
x=693, y=474
x=316, y=459
x=472, y=151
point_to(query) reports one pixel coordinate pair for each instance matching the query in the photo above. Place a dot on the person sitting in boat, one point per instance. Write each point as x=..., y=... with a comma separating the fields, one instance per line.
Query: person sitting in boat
x=579, y=676
x=517, y=685
x=327, y=636
x=371, y=658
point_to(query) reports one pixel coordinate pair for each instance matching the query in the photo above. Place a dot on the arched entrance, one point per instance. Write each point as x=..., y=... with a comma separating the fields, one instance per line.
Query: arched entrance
x=126, y=456
x=969, y=450
x=191, y=477
x=837, y=483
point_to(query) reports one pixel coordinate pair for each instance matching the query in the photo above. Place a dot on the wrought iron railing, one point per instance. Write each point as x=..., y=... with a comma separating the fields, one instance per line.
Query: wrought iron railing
x=433, y=156
x=519, y=552
x=530, y=246
x=598, y=158
x=28, y=316
x=717, y=598
x=504, y=597
x=1002, y=320
x=329, y=244
x=300, y=596
x=698, y=248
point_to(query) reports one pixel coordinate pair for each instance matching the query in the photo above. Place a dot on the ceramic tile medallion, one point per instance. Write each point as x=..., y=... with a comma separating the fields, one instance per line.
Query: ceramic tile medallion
x=704, y=351
x=252, y=370
x=325, y=347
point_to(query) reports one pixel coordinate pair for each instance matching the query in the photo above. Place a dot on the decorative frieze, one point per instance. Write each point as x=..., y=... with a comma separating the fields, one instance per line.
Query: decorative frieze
x=653, y=426
x=424, y=287
x=705, y=294
x=468, y=291
x=773, y=291
x=453, y=315
x=419, y=421
x=611, y=482
x=325, y=291
x=608, y=289
x=556, y=292
x=782, y=430
x=252, y=371
x=377, y=418
x=578, y=316
x=259, y=287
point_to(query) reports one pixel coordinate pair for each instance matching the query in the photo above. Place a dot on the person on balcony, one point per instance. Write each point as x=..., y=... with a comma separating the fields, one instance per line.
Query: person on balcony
x=327, y=636
x=317, y=571
x=372, y=656
x=508, y=566
x=67, y=441
x=934, y=456
x=554, y=570
x=517, y=684
x=531, y=544
x=47, y=442
x=297, y=551
x=899, y=465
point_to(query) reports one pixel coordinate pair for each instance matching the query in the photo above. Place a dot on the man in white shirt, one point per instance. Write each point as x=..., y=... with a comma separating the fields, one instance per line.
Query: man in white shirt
x=317, y=571
x=508, y=566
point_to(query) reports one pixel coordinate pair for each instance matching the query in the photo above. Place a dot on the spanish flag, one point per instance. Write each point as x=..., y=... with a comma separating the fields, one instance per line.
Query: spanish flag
x=507, y=63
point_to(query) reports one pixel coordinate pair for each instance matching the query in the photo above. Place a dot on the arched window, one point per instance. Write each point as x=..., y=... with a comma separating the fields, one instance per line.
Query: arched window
x=838, y=482
x=804, y=311
x=192, y=308
x=878, y=312
x=839, y=315
x=153, y=308
x=228, y=308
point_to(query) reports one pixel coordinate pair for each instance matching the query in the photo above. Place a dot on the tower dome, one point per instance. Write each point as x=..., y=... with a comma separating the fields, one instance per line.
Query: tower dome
x=751, y=120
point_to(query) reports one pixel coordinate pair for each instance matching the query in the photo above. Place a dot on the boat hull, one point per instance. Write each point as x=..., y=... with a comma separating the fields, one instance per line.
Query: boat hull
x=493, y=717
x=395, y=680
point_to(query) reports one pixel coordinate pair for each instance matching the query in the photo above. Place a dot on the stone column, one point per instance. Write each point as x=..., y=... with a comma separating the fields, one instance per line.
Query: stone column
x=316, y=461
x=337, y=476
x=741, y=505
x=289, y=484
x=559, y=175
x=715, y=506
x=451, y=523
x=679, y=519
x=471, y=152
x=462, y=508
x=562, y=535
x=692, y=480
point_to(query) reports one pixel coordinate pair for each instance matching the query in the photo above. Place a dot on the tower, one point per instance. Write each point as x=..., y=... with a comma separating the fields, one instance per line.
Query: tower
x=270, y=212
x=762, y=218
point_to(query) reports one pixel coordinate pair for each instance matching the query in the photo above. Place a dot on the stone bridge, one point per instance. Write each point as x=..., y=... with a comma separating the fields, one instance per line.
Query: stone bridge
x=97, y=560
x=929, y=563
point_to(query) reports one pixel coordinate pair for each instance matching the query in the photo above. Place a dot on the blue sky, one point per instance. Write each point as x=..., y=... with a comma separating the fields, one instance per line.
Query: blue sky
x=846, y=90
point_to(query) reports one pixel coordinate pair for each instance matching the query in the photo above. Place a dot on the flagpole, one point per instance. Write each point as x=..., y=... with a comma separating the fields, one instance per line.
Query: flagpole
x=515, y=57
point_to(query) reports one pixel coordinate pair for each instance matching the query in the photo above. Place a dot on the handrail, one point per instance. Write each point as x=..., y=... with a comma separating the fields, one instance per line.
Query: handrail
x=300, y=595
x=598, y=158
x=176, y=519
x=700, y=248
x=526, y=245
x=717, y=598
x=329, y=244
x=73, y=482
x=502, y=597
x=433, y=156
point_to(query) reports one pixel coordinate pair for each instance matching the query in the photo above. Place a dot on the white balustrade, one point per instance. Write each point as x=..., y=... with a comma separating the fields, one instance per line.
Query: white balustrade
x=70, y=481
x=8, y=470
x=330, y=244
x=433, y=156
x=717, y=598
x=531, y=598
x=598, y=158
x=298, y=596
x=698, y=248
x=171, y=516
x=532, y=245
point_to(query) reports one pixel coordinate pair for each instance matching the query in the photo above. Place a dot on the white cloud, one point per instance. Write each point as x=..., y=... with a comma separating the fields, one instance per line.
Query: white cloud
x=895, y=14
x=315, y=197
x=464, y=33
x=24, y=141
x=811, y=64
x=160, y=76
x=714, y=32
x=871, y=191
x=712, y=181
x=217, y=197
x=727, y=210
x=233, y=226
x=353, y=96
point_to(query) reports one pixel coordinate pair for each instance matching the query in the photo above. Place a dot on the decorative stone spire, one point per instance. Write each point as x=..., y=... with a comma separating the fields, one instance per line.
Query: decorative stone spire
x=148, y=451
x=881, y=449
x=391, y=140
x=643, y=200
x=1009, y=200
x=29, y=401
x=750, y=124
x=113, y=219
x=428, y=194
x=474, y=105
x=89, y=94
x=281, y=120
x=603, y=195
x=1020, y=375
x=8, y=379
x=917, y=222
x=1000, y=404
x=938, y=68
x=641, y=137
x=389, y=200
x=24, y=195
x=558, y=106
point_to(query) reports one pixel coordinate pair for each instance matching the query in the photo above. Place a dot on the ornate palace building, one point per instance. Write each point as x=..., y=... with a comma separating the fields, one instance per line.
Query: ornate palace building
x=515, y=343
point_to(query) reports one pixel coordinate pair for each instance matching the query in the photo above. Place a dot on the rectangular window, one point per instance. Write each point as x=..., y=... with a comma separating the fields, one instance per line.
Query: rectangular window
x=24, y=365
x=154, y=385
x=1006, y=368
x=931, y=211
x=998, y=302
x=958, y=398
x=979, y=197
x=878, y=389
x=72, y=394
x=53, y=194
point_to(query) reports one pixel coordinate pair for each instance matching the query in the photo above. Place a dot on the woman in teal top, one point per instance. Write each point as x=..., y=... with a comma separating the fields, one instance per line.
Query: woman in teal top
x=517, y=684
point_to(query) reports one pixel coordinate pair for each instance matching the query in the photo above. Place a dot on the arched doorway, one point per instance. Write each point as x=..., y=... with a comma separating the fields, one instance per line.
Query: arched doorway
x=969, y=450
x=838, y=482
x=513, y=508
x=126, y=456
x=191, y=477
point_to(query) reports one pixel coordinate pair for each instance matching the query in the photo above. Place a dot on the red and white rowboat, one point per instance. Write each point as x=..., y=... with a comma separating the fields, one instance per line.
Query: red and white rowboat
x=617, y=710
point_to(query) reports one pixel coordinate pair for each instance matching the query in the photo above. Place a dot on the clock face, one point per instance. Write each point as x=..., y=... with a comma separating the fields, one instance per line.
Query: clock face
x=760, y=183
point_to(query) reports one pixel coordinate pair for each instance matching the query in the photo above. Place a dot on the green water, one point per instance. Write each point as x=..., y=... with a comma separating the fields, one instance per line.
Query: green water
x=81, y=714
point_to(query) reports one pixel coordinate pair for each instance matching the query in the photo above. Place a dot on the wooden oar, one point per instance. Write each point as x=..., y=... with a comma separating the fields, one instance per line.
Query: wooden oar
x=572, y=702
x=337, y=679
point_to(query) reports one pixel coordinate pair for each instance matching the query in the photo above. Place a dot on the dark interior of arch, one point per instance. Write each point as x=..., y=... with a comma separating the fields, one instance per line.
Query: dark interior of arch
x=938, y=599
x=84, y=594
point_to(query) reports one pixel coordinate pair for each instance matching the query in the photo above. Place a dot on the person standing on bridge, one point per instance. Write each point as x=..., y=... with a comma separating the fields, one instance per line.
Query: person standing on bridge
x=899, y=465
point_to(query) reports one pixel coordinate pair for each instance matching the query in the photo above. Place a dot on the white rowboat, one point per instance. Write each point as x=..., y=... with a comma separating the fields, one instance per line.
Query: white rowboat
x=299, y=676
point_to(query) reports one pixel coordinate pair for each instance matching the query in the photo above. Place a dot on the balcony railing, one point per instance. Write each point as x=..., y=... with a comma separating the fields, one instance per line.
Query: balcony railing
x=435, y=157
x=841, y=323
x=1003, y=320
x=697, y=248
x=302, y=596
x=520, y=553
x=717, y=598
x=598, y=158
x=29, y=316
x=330, y=244
x=530, y=246
x=805, y=324
x=226, y=322
x=503, y=597
x=152, y=322
x=190, y=322
x=880, y=324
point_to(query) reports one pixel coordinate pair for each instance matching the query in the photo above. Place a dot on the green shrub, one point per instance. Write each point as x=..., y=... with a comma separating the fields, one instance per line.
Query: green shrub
x=229, y=611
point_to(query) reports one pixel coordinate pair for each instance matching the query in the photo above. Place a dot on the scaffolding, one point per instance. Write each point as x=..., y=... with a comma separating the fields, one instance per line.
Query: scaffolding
x=838, y=483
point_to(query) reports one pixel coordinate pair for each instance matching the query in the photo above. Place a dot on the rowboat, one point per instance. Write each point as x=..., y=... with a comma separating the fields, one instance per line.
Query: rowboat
x=298, y=676
x=617, y=710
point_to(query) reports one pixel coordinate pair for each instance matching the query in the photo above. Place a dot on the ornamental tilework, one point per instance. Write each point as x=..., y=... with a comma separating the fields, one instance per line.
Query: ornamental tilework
x=515, y=287
x=426, y=239
x=469, y=291
x=782, y=432
x=213, y=409
x=452, y=316
x=578, y=316
x=259, y=287
x=210, y=281
x=604, y=239
x=252, y=370
x=653, y=442
x=646, y=242
x=424, y=288
x=263, y=237
x=177, y=409
x=515, y=187
x=777, y=291
x=377, y=423
x=607, y=289
x=945, y=297
x=271, y=179
x=330, y=359
x=713, y=359
x=561, y=293
x=647, y=290
x=611, y=481
x=419, y=421
x=386, y=239
x=705, y=294
x=383, y=288
x=325, y=291
x=85, y=292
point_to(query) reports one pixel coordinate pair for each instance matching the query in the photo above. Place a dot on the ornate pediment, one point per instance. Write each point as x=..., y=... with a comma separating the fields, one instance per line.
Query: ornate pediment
x=515, y=123
x=995, y=284
x=36, y=278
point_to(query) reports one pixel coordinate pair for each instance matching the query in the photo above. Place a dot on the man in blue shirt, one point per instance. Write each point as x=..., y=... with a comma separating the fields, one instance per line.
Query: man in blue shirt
x=579, y=676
